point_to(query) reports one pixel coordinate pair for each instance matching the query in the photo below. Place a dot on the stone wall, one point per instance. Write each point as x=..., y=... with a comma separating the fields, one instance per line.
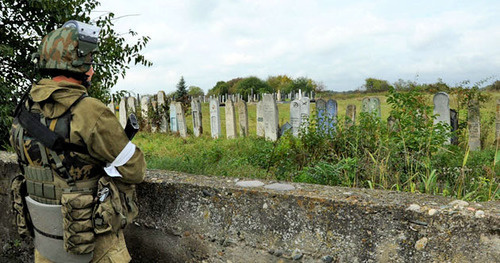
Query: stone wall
x=193, y=218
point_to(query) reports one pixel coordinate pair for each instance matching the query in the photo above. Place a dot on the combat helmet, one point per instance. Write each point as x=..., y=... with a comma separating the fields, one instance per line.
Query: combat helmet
x=68, y=48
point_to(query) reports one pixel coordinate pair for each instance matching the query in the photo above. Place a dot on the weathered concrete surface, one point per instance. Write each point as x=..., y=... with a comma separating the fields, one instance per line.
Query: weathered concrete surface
x=192, y=218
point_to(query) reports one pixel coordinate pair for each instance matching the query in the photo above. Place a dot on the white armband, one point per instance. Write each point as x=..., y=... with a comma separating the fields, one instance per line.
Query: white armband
x=120, y=160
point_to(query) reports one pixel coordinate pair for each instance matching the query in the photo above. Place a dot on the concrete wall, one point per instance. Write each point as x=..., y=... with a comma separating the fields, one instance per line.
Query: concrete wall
x=192, y=218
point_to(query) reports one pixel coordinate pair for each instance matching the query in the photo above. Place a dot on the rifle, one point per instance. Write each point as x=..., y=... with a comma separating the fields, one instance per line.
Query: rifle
x=132, y=126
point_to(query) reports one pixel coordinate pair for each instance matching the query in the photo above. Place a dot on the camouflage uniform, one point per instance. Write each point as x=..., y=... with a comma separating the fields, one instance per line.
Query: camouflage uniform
x=92, y=125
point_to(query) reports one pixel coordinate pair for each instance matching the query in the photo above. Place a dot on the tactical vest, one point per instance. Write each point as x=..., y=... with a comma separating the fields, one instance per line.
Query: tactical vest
x=48, y=173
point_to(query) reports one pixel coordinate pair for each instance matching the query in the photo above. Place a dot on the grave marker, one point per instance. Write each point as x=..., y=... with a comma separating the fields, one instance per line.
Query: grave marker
x=181, y=120
x=331, y=113
x=498, y=123
x=351, y=115
x=271, y=117
x=111, y=107
x=474, y=123
x=372, y=105
x=243, y=117
x=197, y=117
x=131, y=105
x=454, y=126
x=122, y=112
x=215, y=125
x=304, y=112
x=321, y=115
x=295, y=117
x=260, y=119
x=162, y=111
x=145, y=112
x=173, y=118
x=441, y=102
x=230, y=119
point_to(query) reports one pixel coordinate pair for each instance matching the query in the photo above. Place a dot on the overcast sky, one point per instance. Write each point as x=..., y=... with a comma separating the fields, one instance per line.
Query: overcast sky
x=338, y=43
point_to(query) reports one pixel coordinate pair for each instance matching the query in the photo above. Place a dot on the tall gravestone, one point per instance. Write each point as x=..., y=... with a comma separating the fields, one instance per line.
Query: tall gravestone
x=131, y=105
x=181, y=120
x=111, y=107
x=230, y=119
x=372, y=105
x=454, y=126
x=260, y=119
x=243, y=117
x=155, y=122
x=271, y=117
x=498, y=124
x=173, y=117
x=145, y=101
x=474, y=123
x=197, y=117
x=215, y=125
x=331, y=113
x=122, y=112
x=163, y=125
x=321, y=115
x=441, y=102
x=350, y=114
x=295, y=117
x=305, y=112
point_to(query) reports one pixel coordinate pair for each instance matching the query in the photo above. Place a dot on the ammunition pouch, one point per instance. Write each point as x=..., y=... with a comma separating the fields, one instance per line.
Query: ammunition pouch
x=76, y=208
x=18, y=194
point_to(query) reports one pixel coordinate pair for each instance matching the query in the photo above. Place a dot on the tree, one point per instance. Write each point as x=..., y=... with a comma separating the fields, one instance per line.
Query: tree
x=245, y=86
x=280, y=82
x=181, y=89
x=23, y=23
x=302, y=83
x=376, y=85
x=220, y=88
x=195, y=91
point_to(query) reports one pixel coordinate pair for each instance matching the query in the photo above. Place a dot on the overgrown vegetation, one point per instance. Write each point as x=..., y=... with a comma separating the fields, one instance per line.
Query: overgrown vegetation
x=408, y=156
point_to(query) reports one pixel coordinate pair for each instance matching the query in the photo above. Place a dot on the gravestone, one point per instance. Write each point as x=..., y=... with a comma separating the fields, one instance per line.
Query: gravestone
x=271, y=117
x=145, y=112
x=321, y=115
x=454, y=126
x=442, y=109
x=243, y=118
x=197, y=117
x=181, y=120
x=173, y=118
x=350, y=114
x=122, y=112
x=304, y=112
x=286, y=127
x=392, y=124
x=295, y=117
x=131, y=106
x=372, y=105
x=111, y=107
x=331, y=114
x=156, y=121
x=279, y=95
x=474, y=123
x=230, y=119
x=215, y=125
x=498, y=124
x=162, y=111
x=260, y=119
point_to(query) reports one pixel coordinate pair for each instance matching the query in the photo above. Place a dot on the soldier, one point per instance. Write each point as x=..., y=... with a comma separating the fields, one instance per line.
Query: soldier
x=76, y=191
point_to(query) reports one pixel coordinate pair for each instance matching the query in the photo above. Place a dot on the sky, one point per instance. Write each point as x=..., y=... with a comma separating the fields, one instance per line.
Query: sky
x=337, y=43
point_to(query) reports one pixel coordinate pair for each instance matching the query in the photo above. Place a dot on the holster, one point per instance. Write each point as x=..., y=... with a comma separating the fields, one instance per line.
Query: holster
x=18, y=194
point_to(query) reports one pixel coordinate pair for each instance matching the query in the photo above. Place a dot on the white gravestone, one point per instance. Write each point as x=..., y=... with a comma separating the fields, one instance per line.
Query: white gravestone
x=442, y=110
x=122, y=112
x=372, y=105
x=111, y=107
x=295, y=117
x=474, y=123
x=304, y=112
x=215, y=125
x=145, y=102
x=271, y=117
x=197, y=118
x=173, y=118
x=260, y=119
x=162, y=112
x=131, y=106
x=181, y=120
x=243, y=118
x=230, y=119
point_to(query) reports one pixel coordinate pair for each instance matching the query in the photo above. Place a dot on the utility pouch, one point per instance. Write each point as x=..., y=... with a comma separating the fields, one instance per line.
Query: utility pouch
x=128, y=198
x=108, y=213
x=78, y=234
x=18, y=193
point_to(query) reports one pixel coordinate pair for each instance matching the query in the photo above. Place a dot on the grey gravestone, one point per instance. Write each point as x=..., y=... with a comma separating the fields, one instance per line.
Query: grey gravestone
x=173, y=118
x=154, y=122
x=215, y=125
x=286, y=127
x=372, y=105
x=243, y=117
x=145, y=102
x=392, y=124
x=230, y=119
x=350, y=114
x=304, y=112
x=260, y=119
x=197, y=117
x=111, y=107
x=321, y=115
x=474, y=123
x=279, y=95
x=181, y=120
x=331, y=113
x=295, y=117
x=162, y=111
x=271, y=117
x=442, y=109
x=131, y=105
x=454, y=126
x=122, y=112
x=498, y=124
